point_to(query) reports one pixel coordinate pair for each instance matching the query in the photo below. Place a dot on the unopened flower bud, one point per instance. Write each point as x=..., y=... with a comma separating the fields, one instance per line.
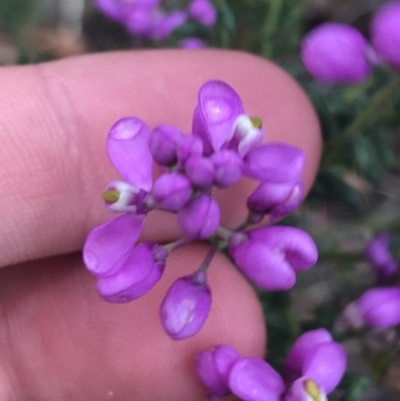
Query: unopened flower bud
x=377, y=307
x=385, y=33
x=213, y=368
x=377, y=253
x=186, y=306
x=228, y=167
x=203, y=11
x=271, y=256
x=275, y=162
x=253, y=379
x=200, y=217
x=336, y=53
x=172, y=191
x=121, y=197
x=139, y=21
x=137, y=276
x=276, y=199
x=200, y=171
x=163, y=144
x=190, y=146
x=192, y=44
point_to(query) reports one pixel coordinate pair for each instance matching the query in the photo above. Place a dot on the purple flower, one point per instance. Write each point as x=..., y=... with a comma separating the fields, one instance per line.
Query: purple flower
x=314, y=366
x=140, y=21
x=213, y=368
x=164, y=141
x=377, y=253
x=377, y=307
x=109, y=245
x=272, y=256
x=189, y=146
x=138, y=275
x=228, y=168
x=275, y=162
x=253, y=379
x=203, y=11
x=217, y=110
x=336, y=53
x=186, y=306
x=172, y=191
x=168, y=23
x=192, y=43
x=276, y=199
x=302, y=347
x=200, y=217
x=200, y=171
x=385, y=33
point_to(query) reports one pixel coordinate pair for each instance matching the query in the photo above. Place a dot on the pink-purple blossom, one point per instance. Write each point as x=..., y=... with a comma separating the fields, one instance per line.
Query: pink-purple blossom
x=313, y=369
x=225, y=144
x=385, y=33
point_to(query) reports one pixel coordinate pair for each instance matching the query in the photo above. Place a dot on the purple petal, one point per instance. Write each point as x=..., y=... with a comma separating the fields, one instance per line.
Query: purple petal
x=297, y=247
x=301, y=348
x=192, y=44
x=253, y=379
x=326, y=365
x=336, y=53
x=108, y=246
x=128, y=149
x=140, y=21
x=189, y=146
x=275, y=162
x=186, y=306
x=112, y=8
x=200, y=217
x=139, y=274
x=385, y=33
x=380, y=307
x=218, y=107
x=264, y=266
x=224, y=359
x=172, y=191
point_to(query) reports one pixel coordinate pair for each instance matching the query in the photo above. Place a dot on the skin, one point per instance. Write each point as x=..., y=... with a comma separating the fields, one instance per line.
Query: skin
x=58, y=340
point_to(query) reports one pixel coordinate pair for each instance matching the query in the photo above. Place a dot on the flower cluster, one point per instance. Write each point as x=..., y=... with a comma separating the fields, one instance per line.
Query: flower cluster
x=378, y=307
x=225, y=145
x=149, y=19
x=313, y=368
x=339, y=53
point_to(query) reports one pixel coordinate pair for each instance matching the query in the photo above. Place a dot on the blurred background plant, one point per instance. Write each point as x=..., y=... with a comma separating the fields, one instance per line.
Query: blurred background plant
x=357, y=192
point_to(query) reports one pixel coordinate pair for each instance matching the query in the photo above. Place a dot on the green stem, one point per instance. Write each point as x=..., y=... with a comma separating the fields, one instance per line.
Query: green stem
x=224, y=233
x=270, y=26
x=177, y=244
x=207, y=260
x=353, y=129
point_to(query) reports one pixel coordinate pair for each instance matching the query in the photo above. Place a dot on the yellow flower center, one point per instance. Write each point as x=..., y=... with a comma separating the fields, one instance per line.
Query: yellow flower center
x=312, y=389
x=111, y=196
x=256, y=122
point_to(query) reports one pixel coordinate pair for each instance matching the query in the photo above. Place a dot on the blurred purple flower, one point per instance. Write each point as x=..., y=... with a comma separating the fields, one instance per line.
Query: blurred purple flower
x=203, y=11
x=200, y=171
x=377, y=253
x=186, y=306
x=192, y=43
x=385, y=33
x=305, y=389
x=109, y=245
x=213, y=368
x=200, y=217
x=336, y=53
x=272, y=256
x=377, y=307
x=138, y=275
x=167, y=23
